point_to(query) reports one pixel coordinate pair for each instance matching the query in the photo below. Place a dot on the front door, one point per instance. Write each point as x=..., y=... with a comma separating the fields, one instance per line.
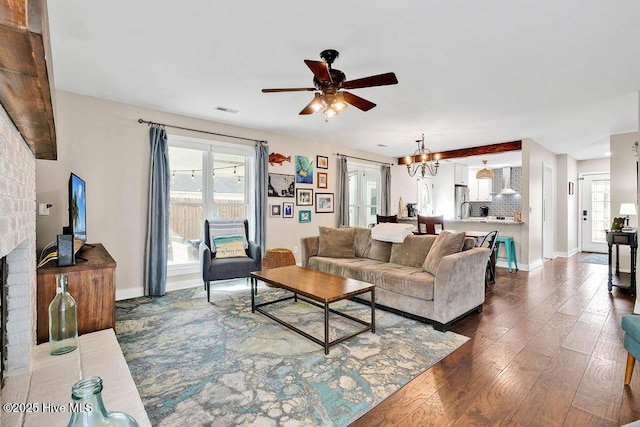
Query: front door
x=595, y=212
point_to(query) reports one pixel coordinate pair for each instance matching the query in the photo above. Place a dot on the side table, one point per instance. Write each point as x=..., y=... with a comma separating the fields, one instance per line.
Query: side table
x=278, y=257
x=628, y=238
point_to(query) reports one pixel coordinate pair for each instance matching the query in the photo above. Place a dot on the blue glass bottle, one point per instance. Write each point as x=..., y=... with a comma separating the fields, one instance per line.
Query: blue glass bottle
x=88, y=409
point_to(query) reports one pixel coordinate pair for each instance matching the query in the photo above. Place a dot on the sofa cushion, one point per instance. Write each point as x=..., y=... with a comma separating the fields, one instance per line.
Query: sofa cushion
x=446, y=243
x=379, y=251
x=362, y=241
x=469, y=243
x=413, y=251
x=337, y=242
x=408, y=281
x=346, y=267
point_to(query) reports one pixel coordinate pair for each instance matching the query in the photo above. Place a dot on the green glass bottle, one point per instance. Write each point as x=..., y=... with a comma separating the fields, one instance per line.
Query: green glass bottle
x=63, y=319
x=88, y=409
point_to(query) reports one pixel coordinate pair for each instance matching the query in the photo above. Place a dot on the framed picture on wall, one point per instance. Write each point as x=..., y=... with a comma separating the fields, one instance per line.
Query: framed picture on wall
x=304, y=216
x=322, y=162
x=281, y=185
x=304, y=197
x=275, y=210
x=324, y=202
x=322, y=180
x=304, y=170
x=287, y=210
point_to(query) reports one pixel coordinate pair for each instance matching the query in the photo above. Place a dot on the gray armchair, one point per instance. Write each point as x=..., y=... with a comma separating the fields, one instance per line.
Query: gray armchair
x=227, y=268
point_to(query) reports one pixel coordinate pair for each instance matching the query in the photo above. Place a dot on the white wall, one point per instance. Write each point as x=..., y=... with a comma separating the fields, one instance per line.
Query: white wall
x=102, y=142
x=402, y=185
x=594, y=166
x=567, y=206
x=533, y=158
x=623, y=183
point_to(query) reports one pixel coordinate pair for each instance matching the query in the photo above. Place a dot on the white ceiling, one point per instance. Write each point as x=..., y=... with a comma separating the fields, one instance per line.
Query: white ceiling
x=564, y=73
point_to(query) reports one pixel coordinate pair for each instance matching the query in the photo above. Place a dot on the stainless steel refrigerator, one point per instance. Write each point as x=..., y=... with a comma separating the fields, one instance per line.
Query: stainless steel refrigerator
x=463, y=207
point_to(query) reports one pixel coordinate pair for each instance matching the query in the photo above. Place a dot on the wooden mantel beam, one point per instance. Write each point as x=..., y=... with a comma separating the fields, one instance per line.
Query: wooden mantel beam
x=502, y=147
x=25, y=93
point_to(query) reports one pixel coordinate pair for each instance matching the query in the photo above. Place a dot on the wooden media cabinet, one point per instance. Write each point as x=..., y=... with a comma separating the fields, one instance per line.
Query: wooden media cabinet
x=91, y=284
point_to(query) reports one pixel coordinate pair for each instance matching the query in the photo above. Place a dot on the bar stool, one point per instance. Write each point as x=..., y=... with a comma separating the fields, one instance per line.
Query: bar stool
x=510, y=247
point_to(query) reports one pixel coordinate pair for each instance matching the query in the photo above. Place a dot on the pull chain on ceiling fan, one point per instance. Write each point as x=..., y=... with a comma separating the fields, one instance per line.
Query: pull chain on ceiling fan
x=329, y=97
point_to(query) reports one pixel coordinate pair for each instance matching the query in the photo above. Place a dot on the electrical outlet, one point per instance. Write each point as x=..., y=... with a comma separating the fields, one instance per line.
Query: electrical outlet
x=295, y=249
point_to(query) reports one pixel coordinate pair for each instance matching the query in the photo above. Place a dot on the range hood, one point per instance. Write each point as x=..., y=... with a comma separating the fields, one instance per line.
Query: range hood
x=506, y=182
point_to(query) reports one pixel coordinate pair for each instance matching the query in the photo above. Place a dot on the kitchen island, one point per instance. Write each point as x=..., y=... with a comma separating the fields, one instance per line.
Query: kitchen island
x=507, y=227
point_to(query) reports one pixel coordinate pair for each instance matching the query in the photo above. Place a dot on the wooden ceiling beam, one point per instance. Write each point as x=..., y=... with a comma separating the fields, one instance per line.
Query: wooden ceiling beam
x=502, y=147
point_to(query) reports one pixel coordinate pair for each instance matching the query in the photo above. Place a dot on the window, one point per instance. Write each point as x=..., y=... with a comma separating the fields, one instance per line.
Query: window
x=600, y=210
x=364, y=194
x=208, y=180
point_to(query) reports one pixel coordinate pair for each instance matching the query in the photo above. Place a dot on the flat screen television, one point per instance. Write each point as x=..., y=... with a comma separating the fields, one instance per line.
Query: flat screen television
x=77, y=208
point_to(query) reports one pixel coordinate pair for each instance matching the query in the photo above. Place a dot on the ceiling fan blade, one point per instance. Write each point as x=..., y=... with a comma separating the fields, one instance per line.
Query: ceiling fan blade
x=292, y=89
x=319, y=69
x=357, y=102
x=378, y=80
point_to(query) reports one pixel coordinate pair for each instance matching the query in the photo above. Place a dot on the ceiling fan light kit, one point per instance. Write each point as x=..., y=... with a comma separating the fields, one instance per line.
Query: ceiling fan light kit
x=426, y=164
x=328, y=84
x=485, y=173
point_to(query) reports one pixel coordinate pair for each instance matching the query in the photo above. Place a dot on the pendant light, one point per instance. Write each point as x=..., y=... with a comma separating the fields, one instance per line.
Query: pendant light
x=484, y=173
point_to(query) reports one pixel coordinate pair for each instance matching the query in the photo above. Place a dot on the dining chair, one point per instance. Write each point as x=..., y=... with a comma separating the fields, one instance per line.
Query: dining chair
x=489, y=241
x=383, y=218
x=428, y=224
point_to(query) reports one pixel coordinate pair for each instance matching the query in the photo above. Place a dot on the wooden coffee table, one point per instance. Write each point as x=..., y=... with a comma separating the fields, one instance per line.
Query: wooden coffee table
x=317, y=288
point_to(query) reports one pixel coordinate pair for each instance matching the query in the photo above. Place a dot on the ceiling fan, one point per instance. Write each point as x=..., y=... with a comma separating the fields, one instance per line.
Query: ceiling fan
x=329, y=97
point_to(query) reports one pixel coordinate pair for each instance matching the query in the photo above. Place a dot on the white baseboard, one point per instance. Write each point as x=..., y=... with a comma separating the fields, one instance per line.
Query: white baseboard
x=571, y=253
x=129, y=293
x=523, y=267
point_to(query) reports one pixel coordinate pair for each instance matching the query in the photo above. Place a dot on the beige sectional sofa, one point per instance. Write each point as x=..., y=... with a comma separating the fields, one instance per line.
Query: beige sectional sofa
x=438, y=289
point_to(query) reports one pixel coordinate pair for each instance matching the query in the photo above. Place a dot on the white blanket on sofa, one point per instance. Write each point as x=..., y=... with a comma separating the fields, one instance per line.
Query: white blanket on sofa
x=391, y=232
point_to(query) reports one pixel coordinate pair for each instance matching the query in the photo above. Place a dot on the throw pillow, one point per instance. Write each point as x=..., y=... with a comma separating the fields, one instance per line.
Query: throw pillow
x=226, y=227
x=413, y=251
x=446, y=243
x=230, y=247
x=380, y=251
x=337, y=242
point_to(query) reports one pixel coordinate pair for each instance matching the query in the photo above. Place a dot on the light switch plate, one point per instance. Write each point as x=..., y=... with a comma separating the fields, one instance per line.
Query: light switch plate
x=43, y=209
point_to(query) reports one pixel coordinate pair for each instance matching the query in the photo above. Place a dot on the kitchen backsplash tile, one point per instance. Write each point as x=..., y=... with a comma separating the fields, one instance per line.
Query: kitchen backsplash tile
x=502, y=205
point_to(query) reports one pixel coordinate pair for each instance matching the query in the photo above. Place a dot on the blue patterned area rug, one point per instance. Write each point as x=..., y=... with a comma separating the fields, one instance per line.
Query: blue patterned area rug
x=196, y=363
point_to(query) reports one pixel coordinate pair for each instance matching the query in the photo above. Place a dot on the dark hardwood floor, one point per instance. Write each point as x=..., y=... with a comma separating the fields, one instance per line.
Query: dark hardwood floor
x=546, y=350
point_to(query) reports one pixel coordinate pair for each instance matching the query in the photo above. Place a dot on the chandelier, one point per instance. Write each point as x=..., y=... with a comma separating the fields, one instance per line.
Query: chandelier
x=425, y=161
x=331, y=104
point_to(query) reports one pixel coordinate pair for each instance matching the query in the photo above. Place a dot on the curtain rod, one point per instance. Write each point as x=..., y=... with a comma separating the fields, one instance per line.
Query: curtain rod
x=201, y=131
x=366, y=160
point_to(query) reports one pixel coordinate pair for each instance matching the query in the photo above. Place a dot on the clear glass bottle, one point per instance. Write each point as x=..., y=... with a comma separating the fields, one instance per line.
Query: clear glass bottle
x=88, y=409
x=63, y=319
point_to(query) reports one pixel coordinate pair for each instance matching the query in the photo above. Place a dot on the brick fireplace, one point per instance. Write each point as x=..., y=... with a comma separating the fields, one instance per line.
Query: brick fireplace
x=17, y=245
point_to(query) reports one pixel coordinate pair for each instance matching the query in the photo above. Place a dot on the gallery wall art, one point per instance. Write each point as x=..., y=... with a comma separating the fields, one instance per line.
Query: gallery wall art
x=281, y=185
x=304, y=170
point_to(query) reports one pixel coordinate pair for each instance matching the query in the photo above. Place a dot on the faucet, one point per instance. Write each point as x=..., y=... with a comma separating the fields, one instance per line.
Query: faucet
x=461, y=211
